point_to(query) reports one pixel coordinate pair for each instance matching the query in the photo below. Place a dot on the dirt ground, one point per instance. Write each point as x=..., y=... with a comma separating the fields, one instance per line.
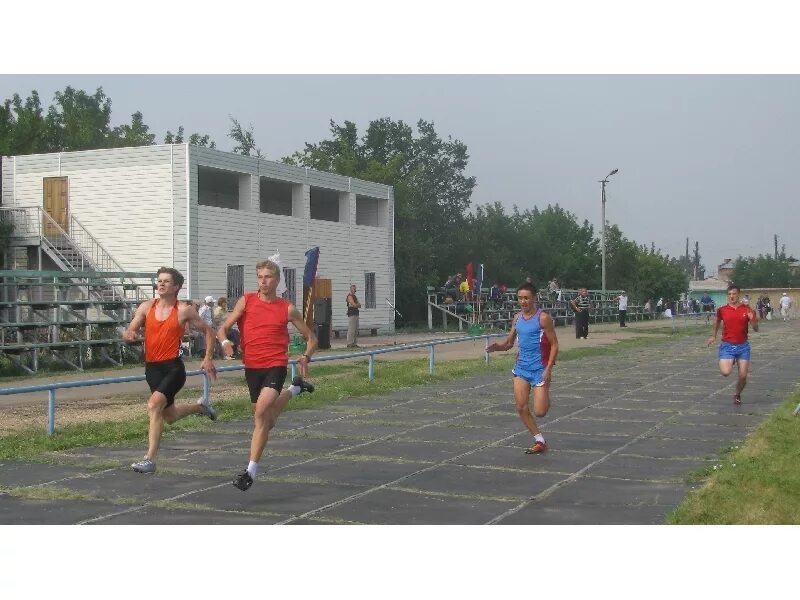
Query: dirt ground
x=118, y=402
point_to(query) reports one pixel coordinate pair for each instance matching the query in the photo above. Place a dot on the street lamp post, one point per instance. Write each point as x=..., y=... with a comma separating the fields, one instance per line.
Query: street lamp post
x=603, y=183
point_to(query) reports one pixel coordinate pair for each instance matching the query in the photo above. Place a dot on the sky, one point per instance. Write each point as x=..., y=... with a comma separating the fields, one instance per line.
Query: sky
x=711, y=158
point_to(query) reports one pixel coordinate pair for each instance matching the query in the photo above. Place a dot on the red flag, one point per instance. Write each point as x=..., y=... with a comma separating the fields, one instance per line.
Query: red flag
x=470, y=274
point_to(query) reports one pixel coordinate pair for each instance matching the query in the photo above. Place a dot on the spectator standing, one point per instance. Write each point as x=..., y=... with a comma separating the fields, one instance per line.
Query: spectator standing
x=352, y=317
x=494, y=294
x=785, y=304
x=220, y=314
x=580, y=304
x=552, y=288
x=708, y=305
x=623, y=308
x=760, y=307
x=206, y=312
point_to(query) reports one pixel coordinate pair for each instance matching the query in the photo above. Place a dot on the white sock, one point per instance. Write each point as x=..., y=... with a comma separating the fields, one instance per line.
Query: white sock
x=539, y=437
x=294, y=390
x=252, y=468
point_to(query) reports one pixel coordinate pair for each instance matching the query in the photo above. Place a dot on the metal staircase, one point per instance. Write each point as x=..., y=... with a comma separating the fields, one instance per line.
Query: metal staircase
x=73, y=251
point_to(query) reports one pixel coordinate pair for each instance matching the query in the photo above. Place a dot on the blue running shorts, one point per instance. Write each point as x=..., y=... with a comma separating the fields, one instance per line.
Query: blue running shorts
x=731, y=351
x=534, y=377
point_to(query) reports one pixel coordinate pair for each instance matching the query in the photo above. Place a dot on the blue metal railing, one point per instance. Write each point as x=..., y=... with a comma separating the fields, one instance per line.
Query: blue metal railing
x=51, y=388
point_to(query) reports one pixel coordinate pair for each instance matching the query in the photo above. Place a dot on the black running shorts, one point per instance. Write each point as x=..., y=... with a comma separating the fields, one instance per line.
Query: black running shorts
x=166, y=376
x=257, y=379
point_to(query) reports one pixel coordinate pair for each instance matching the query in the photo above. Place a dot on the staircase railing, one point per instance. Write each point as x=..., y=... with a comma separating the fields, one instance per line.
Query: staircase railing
x=56, y=239
x=77, y=250
x=88, y=244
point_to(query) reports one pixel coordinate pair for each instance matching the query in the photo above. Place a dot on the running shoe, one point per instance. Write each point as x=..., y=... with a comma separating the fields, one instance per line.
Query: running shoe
x=144, y=466
x=208, y=410
x=243, y=481
x=537, y=448
x=304, y=386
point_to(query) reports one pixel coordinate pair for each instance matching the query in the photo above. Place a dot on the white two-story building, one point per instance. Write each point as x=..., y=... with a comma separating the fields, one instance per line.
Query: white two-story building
x=213, y=215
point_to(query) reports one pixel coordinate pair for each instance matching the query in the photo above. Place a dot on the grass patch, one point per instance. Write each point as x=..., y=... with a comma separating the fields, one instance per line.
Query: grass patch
x=757, y=483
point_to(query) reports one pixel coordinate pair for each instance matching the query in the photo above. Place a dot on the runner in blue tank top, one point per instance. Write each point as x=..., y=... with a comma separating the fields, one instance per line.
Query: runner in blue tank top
x=538, y=348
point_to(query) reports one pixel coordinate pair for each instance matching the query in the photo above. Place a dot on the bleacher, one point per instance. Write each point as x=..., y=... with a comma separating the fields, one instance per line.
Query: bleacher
x=497, y=314
x=69, y=316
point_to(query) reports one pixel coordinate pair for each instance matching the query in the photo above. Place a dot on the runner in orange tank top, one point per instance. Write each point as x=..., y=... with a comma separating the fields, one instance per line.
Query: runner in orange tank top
x=164, y=320
x=263, y=320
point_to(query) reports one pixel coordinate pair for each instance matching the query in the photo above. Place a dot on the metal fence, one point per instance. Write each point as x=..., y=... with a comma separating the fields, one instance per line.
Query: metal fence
x=51, y=388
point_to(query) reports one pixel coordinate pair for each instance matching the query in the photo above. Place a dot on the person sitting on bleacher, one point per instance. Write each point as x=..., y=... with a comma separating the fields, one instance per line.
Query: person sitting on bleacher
x=463, y=289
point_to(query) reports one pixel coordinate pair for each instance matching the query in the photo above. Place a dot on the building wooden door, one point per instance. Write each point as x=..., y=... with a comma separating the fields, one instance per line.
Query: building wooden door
x=56, y=204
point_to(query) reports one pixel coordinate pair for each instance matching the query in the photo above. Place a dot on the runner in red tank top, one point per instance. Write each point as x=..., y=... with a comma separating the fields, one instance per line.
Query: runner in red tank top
x=263, y=320
x=164, y=320
x=736, y=319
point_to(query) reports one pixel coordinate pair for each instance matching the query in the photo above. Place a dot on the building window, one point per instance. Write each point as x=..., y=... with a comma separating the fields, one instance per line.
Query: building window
x=223, y=189
x=235, y=284
x=324, y=204
x=275, y=197
x=371, y=211
x=369, y=290
x=290, y=279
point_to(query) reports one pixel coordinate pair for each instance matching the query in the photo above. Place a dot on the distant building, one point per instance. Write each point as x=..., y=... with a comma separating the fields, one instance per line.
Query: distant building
x=725, y=270
x=716, y=287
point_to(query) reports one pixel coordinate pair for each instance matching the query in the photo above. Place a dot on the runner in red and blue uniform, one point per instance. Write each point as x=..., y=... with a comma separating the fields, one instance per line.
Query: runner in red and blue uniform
x=538, y=348
x=736, y=319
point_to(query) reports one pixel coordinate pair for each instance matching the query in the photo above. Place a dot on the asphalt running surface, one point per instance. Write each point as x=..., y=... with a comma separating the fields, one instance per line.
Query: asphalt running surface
x=624, y=431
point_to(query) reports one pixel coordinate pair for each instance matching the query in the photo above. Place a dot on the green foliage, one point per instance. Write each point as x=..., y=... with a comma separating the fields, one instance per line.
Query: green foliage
x=78, y=121
x=431, y=193
x=766, y=271
x=75, y=121
x=245, y=140
x=22, y=126
x=195, y=139
x=656, y=276
x=758, y=483
x=135, y=134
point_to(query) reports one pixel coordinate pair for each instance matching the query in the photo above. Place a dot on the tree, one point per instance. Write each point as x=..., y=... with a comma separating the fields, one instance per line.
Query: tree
x=78, y=121
x=195, y=139
x=22, y=126
x=205, y=141
x=765, y=271
x=245, y=139
x=658, y=277
x=431, y=194
x=135, y=134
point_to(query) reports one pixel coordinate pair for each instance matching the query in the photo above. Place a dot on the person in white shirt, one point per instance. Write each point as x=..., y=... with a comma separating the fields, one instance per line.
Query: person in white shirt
x=785, y=304
x=206, y=313
x=623, y=308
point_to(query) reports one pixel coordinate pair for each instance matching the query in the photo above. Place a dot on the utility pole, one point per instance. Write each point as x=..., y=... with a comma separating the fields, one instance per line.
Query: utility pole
x=776, y=246
x=604, y=181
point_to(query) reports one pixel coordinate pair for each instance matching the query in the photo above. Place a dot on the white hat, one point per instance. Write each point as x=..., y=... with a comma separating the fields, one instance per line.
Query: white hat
x=783, y=294
x=210, y=300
